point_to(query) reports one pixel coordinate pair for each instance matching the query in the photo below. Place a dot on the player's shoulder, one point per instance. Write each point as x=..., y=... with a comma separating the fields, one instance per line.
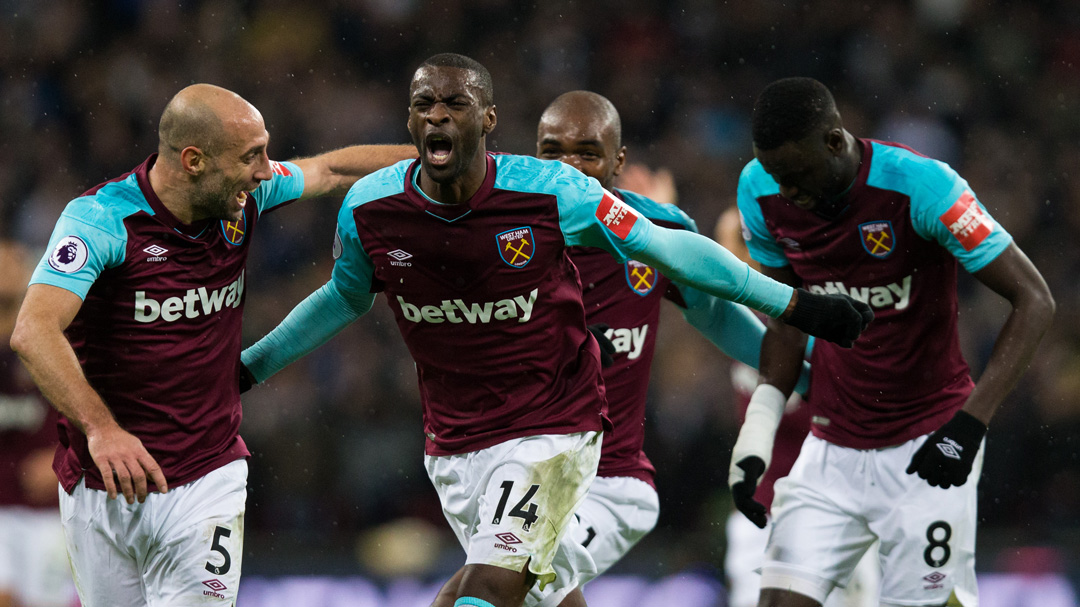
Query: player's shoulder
x=756, y=182
x=657, y=211
x=106, y=206
x=388, y=181
x=899, y=168
x=535, y=175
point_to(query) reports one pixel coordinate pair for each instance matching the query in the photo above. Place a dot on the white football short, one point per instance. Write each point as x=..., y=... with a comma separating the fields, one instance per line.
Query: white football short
x=33, y=559
x=746, y=551
x=512, y=503
x=180, y=548
x=837, y=501
x=617, y=512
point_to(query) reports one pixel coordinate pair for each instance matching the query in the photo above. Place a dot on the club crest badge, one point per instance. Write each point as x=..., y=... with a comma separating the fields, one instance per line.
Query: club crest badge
x=641, y=278
x=235, y=231
x=877, y=238
x=516, y=247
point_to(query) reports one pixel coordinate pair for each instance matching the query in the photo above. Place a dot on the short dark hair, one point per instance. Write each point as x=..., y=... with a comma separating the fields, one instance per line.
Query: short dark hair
x=790, y=109
x=487, y=88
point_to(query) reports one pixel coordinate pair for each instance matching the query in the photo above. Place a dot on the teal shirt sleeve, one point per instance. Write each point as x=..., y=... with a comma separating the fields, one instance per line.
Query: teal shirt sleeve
x=944, y=209
x=322, y=315
x=731, y=327
x=287, y=184
x=342, y=300
x=754, y=183
x=590, y=216
x=696, y=261
x=353, y=269
x=88, y=238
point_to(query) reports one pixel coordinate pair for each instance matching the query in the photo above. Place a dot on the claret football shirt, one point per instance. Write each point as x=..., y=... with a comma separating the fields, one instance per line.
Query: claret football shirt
x=909, y=220
x=158, y=333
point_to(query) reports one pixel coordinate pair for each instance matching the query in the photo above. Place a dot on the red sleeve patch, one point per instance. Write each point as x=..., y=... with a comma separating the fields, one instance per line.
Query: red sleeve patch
x=967, y=222
x=616, y=215
x=279, y=169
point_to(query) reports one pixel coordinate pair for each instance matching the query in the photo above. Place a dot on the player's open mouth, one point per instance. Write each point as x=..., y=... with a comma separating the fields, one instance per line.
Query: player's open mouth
x=241, y=198
x=438, y=148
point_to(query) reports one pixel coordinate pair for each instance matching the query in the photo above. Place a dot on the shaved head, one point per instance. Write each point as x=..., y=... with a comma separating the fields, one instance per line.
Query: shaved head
x=583, y=130
x=211, y=153
x=202, y=116
x=585, y=108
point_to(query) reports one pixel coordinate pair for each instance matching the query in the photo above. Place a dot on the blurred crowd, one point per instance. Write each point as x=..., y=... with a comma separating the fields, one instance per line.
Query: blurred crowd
x=991, y=88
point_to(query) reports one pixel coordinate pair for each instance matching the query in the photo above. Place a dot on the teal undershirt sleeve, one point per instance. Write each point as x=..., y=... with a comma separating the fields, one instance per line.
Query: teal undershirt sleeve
x=733, y=328
x=322, y=315
x=693, y=259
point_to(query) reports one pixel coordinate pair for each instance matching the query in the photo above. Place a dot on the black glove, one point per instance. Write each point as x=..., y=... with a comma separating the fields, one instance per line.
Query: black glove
x=742, y=492
x=607, y=349
x=945, y=458
x=836, y=318
x=246, y=379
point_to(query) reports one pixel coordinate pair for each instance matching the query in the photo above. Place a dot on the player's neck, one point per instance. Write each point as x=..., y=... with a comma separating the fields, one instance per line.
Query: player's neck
x=171, y=195
x=854, y=159
x=459, y=190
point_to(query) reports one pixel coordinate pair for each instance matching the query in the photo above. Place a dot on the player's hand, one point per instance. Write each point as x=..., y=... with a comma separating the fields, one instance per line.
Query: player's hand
x=836, y=318
x=245, y=377
x=753, y=450
x=124, y=463
x=607, y=349
x=945, y=458
x=743, y=487
x=658, y=185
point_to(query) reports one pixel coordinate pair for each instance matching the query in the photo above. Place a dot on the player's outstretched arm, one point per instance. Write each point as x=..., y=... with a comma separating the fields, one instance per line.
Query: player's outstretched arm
x=729, y=326
x=40, y=343
x=333, y=173
x=322, y=315
x=700, y=262
x=732, y=328
x=1014, y=277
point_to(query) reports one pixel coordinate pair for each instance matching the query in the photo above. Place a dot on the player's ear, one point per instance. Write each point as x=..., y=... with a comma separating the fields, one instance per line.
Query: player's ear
x=489, y=119
x=835, y=141
x=620, y=161
x=193, y=160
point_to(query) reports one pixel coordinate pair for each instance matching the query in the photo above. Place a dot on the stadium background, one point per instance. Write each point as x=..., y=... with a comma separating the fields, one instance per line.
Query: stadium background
x=337, y=485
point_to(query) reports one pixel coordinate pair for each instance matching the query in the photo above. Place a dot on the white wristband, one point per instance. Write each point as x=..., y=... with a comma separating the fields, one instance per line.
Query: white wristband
x=758, y=430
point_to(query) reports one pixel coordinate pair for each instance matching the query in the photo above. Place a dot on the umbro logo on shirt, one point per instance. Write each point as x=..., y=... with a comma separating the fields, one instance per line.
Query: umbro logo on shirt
x=157, y=252
x=398, y=257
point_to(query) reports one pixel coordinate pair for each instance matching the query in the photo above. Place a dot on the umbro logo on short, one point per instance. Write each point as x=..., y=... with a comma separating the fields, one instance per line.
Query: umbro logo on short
x=215, y=587
x=508, y=538
x=934, y=580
